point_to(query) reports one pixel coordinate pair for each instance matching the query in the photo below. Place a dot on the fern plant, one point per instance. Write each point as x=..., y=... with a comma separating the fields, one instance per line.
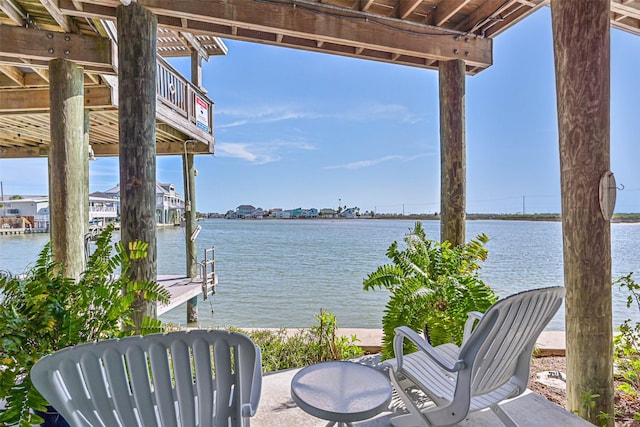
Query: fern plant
x=626, y=344
x=433, y=286
x=43, y=311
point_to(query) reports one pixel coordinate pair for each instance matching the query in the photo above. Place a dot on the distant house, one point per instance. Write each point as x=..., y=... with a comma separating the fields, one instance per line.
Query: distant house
x=280, y=214
x=257, y=213
x=296, y=213
x=103, y=208
x=348, y=213
x=245, y=211
x=310, y=213
x=169, y=204
x=328, y=213
x=35, y=209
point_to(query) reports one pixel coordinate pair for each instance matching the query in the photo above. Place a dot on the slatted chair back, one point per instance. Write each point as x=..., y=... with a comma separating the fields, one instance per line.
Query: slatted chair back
x=491, y=365
x=193, y=378
x=501, y=346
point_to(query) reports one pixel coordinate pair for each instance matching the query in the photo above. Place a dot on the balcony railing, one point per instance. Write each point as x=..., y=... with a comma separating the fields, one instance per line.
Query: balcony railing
x=183, y=97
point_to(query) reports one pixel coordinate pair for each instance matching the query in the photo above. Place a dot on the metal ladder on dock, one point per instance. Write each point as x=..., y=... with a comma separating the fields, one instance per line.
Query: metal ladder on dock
x=208, y=272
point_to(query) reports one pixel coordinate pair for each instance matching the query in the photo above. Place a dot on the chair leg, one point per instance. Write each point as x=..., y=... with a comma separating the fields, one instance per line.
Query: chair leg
x=414, y=417
x=503, y=416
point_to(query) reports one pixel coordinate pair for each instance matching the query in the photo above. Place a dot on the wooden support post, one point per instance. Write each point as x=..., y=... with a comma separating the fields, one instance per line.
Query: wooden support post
x=86, y=147
x=582, y=63
x=190, y=226
x=190, y=214
x=137, y=42
x=452, y=152
x=67, y=165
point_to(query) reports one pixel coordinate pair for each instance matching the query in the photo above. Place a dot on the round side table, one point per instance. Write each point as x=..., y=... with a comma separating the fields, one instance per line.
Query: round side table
x=341, y=392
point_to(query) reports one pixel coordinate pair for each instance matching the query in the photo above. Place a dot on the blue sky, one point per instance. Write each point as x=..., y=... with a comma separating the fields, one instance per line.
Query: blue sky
x=301, y=129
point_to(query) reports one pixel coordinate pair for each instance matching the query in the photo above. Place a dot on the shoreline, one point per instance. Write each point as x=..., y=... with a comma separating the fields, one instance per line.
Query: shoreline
x=630, y=218
x=549, y=343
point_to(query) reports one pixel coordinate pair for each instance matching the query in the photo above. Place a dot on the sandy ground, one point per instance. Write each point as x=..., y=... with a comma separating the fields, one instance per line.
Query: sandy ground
x=545, y=381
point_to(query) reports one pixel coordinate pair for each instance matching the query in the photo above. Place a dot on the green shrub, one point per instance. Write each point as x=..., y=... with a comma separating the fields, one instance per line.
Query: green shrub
x=43, y=311
x=433, y=286
x=282, y=350
x=627, y=343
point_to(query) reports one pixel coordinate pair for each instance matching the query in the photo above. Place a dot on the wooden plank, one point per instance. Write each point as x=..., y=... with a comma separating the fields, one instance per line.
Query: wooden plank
x=13, y=73
x=406, y=7
x=177, y=121
x=447, y=9
x=582, y=52
x=65, y=23
x=17, y=16
x=93, y=53
x=25, y=100
x=182, y=289
x=315, y=22
x=452, y=152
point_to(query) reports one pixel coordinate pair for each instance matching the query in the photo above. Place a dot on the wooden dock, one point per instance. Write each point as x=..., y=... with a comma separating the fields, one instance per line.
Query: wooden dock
x=184, y=288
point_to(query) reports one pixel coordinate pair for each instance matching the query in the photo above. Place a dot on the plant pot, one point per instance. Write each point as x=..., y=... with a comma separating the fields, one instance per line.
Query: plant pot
x=52, y=418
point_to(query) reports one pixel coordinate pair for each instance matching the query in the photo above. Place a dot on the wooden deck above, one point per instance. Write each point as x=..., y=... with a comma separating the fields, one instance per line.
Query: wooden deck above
x=419, y=33
x=24, y=115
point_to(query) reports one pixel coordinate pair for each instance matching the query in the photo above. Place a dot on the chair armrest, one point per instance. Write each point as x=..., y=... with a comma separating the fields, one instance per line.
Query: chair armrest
x=472, y=318
x=405, y=332
x=256, y=386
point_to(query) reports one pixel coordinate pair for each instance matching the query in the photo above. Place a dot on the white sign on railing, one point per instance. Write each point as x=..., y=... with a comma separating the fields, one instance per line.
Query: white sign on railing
x=202, y=114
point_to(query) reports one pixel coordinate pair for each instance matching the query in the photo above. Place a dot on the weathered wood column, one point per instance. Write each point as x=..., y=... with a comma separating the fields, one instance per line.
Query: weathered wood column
x=137, y=42
x=86, y=155
x=190, y=226
x=67, y=162
x=190, y=213
x=452, y=152
x=582, y=51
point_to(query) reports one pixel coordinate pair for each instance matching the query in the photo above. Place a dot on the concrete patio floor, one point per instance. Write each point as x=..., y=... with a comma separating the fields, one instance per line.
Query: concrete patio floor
x=277, y=409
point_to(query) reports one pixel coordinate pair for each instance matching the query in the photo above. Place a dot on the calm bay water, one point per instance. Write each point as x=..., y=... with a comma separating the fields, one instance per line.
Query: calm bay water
x=281, y=273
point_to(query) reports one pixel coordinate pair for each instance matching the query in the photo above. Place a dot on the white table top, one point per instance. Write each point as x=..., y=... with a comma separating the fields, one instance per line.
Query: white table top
x=341, y=391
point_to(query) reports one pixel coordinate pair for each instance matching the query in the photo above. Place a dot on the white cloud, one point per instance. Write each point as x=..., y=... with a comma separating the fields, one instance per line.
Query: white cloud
x=260, y=153
x=247, y=152
x=372, y=162
x=270, y=114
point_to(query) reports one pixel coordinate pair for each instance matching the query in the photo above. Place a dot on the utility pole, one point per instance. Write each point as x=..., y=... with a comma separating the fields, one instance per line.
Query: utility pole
x=523, y=197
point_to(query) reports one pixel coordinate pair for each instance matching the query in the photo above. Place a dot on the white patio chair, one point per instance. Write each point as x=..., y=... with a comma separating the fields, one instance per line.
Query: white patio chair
x=194, y=378
x=491, y=365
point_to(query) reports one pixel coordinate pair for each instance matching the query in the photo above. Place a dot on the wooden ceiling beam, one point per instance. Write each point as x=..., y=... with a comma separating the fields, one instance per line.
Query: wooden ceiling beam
x=194, y=44
x=27, y=100
x=479, y=16
x=24, y=152
x=447, y=9
x=332, y=25
x=13, y=11
x=364, y=5
x=31, y=80
x=13, y=73
x=628, y=11
x=42, y=72
x=93, y=53
x=406, y=7
x=65, y=23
